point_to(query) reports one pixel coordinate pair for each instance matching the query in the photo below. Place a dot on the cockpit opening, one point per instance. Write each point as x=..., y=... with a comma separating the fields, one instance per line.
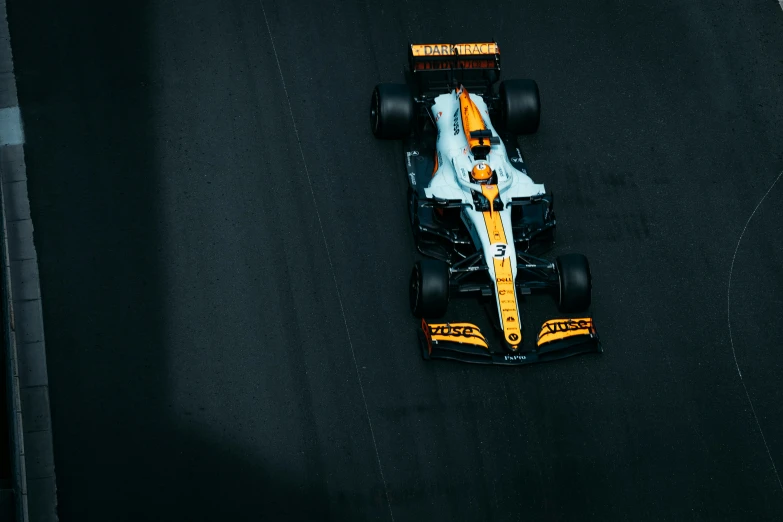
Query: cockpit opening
x=483, y=174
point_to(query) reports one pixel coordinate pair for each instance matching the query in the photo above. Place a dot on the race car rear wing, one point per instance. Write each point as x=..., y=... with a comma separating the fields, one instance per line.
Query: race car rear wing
x=436, y=68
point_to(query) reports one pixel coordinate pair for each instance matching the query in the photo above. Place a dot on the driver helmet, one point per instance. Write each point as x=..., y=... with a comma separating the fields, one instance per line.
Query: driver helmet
x=481, y=173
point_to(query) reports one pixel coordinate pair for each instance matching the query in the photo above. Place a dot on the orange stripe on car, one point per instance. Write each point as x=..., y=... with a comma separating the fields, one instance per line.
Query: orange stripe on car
x=504, y=275
x=471, y=120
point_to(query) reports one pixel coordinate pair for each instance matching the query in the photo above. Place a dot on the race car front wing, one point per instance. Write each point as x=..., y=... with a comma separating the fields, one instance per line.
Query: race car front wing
x=557, y=339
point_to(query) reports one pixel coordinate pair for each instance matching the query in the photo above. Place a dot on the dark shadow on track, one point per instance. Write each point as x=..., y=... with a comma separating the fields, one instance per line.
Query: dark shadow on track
x=84, y=82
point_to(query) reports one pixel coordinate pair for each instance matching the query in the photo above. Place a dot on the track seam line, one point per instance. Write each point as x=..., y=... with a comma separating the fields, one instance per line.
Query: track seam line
x=731, y=339
x=329, y=259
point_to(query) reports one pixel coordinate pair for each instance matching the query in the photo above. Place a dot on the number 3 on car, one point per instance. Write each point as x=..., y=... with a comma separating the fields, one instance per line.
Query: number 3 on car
x=499, y=250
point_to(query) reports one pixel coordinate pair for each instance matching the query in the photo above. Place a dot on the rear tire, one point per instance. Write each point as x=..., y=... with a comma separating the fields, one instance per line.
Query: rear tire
x=429, y=288
x=520, y=106
x=575, y=288
x=391, y=111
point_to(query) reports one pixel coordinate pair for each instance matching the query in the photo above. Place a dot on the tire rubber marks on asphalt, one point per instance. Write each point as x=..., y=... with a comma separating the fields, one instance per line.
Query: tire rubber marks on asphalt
x=731, y=338
x=328, y=258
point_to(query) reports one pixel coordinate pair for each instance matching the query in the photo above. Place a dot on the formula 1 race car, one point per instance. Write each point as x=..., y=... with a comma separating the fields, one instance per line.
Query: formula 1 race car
x=476, y=215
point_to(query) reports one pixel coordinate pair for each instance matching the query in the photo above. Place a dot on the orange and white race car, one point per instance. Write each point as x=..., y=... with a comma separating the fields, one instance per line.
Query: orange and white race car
x=478, y=219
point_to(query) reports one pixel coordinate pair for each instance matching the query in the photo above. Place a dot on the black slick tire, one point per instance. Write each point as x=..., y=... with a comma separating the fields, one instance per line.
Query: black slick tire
x=391, y=111
x=429, y=288
x=575, y=283
x=520, y=106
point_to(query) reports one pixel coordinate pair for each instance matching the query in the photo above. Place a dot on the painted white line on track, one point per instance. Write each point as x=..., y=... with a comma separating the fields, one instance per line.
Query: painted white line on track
x=11, y=132
x=731, y=338
x=329, y=259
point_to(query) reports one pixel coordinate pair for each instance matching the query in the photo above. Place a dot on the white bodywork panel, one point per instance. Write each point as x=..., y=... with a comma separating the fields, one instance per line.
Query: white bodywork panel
x=452, y=180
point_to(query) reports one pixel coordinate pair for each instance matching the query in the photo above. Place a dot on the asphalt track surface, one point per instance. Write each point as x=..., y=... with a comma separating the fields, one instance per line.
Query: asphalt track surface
x=224, y=258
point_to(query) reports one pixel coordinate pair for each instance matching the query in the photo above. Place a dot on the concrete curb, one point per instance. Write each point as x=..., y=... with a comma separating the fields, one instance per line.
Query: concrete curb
x=15, y=423
x=30, y=418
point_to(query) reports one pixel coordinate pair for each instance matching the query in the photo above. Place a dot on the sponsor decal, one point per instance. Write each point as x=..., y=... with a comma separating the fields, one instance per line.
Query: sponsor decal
x=463, y=333
x=558, y=329
x=438, y=116
x=461, y=64
x=412, y=177
x=513, y=337
x=514, y=357
x=456, y=123
x=509, y=310
x=568, y=325
x=456, y=330
x=511, y=319
x=504, y=280
x=464, y=49
x=502, y=292
x=409, y=154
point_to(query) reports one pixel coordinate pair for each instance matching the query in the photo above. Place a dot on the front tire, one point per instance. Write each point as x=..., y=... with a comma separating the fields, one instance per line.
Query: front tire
x=520, y=106
x=575, y=288
x=391, y=111
x=429, y=288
